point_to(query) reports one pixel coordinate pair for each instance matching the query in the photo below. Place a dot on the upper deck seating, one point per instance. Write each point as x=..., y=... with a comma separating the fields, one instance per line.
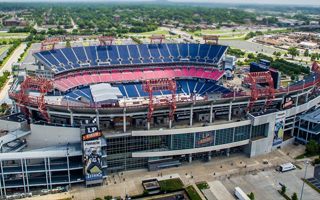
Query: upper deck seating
x=61, y=60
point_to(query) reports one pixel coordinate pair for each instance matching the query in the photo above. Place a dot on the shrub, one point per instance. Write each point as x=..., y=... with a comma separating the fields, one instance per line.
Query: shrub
x=192, y=193
x=170, y=185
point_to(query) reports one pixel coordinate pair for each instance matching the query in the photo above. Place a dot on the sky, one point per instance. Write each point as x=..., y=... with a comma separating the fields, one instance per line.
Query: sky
x=288, y=2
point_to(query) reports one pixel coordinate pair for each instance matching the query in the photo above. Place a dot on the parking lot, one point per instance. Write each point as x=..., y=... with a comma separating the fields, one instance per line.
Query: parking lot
x=265, y=184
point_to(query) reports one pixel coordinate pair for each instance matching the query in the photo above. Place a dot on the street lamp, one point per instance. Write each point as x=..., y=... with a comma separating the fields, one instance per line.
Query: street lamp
x=306, y=163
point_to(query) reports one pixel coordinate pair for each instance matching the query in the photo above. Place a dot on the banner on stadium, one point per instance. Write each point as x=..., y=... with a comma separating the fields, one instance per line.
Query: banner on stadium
x=279, y=128
x=92, y=161
x=204, y=139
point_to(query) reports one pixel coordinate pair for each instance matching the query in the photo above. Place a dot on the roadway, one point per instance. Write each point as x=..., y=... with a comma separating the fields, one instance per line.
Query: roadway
x=4, y=98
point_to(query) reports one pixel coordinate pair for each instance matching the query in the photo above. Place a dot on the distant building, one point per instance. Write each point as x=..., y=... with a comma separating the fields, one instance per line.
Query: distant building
x=309, y=45
x=14, y=22
x=116, y=18
x=313, y=23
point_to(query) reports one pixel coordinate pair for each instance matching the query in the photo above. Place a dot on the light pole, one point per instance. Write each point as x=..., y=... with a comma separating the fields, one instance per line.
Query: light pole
x=306, y=163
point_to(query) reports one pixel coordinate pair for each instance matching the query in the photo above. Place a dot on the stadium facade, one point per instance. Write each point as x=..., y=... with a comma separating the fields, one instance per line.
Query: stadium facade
x=105, y=109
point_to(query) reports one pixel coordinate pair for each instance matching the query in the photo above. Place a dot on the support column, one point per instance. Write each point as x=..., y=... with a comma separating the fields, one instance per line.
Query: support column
x=307, y=136
x=4, y=184
x=297, y=100
x=211, y=113
x=299, y=128
x=190, y=158
x=68, y=166
x=1, y=185
x=97, y=118
x=50, y=180
x=228, y=152
x=191, y=115
x=26, y=172
x=170, y=123
x=209, y=155
x=23, y=176
x=46, y=171
x=230, y=111
x=71, y=118
x=148, y=125
x=124, y=120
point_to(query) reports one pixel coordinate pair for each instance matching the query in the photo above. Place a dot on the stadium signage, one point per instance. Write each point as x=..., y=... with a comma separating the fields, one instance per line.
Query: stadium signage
x=92, y=160
x=91, y=136
x=279, y=128
x=91, y=129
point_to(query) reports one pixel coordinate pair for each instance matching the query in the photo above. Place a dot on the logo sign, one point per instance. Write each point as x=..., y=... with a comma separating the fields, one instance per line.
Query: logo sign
x=91, y=136
x=204, y=139
x=91, y=129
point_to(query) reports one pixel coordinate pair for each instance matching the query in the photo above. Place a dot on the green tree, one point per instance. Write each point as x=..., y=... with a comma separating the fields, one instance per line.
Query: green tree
x=312, y=148
x=293, y=52
x=294, y=196
x=306, y=53
x=251, y=196
x=283, y=189
x=68, y=44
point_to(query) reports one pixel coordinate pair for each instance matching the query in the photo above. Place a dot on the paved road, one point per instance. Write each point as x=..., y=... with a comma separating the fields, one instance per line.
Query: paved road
x=4, y=98
x=13, y=59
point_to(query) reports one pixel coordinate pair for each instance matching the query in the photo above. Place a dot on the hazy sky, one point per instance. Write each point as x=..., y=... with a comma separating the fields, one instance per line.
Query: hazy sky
x=288, y=2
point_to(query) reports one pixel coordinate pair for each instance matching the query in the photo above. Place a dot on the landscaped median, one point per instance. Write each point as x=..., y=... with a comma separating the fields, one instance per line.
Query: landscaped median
x=311, y=185
x=192, y=193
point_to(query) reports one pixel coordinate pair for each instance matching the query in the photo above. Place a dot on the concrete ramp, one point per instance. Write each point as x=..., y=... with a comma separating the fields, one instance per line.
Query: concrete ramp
x=219, y=191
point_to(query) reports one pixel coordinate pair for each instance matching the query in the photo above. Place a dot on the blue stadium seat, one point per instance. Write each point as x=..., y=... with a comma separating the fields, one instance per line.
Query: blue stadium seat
x=79, y=51
x=113, y=55
x=183, y=49
x=173, y=48
x=193, y=51
x=144, y=51
x=70, y=55
x=124, y=54
x=154, y=51
x=164, y=53
x=102, y=53
x=62, y=59
x=75, y=57
x=203, y=52
x=134, y=53
x=131, y=90
x=92, y=54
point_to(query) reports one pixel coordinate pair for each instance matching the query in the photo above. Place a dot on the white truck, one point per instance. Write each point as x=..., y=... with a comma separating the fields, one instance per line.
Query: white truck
x=240, y=194
x=286, y=167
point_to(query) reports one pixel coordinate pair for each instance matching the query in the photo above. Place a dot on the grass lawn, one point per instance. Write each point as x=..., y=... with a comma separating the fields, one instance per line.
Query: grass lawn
x=192, y=193
x=171, y=184
x=5, y=34
x=4, y=48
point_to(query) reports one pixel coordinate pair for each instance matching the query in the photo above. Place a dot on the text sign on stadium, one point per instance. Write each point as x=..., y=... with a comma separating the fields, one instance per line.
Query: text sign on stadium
x=90, y=136
x=91, y=129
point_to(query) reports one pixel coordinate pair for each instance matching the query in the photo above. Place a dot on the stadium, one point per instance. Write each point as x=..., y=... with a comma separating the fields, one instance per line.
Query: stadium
x=89, y=111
